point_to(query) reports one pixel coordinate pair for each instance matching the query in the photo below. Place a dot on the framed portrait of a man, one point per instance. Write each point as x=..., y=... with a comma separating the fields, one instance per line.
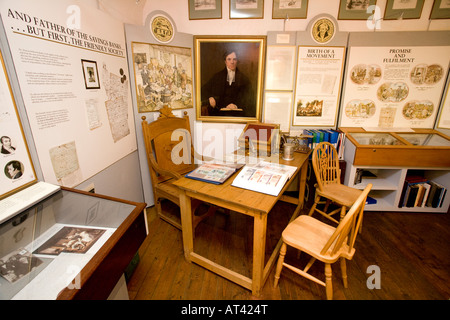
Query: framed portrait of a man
x=229, y=77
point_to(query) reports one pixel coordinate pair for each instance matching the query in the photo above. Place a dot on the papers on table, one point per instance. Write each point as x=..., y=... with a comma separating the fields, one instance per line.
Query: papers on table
x=265, y=177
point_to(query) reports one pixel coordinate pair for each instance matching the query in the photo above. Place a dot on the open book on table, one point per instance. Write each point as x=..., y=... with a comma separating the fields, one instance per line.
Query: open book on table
x=216, y=173
x=265, y=177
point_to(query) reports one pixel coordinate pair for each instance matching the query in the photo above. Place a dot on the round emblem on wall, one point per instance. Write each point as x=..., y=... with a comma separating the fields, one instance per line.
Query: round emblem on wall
x=162, y=29
x=323, y=30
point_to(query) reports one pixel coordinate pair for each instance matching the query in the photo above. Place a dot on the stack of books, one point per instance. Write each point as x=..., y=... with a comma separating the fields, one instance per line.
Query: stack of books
x=335, y=137
x=418, y=191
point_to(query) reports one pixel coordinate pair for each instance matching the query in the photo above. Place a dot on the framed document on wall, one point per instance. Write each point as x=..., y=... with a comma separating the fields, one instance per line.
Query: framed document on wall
x=280, y=67
x=17, y=171
x=394, y=86
x=318, y=85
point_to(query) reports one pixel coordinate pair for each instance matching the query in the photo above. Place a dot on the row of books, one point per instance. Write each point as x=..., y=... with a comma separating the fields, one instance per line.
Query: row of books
x=335, y=137
x=420, y=192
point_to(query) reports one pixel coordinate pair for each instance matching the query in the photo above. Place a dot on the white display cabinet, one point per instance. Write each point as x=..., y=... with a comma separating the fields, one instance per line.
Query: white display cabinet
x=393, y=162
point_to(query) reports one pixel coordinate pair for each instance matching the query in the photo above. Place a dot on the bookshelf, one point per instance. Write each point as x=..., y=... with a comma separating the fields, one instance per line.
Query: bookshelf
x=392, y=166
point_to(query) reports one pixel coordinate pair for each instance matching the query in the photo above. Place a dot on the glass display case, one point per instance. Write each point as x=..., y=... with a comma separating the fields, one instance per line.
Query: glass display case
x=71, y=245
x=418, y=148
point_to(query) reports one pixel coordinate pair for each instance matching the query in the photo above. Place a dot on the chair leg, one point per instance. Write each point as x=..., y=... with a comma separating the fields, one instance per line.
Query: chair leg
x=343, y=212
x=280, y=264
x=328, y=281
x=316, y=201
x=344, y=272
x=327, y=204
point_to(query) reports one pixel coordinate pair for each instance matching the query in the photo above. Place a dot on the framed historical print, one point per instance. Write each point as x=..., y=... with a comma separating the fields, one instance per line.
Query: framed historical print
x=205, y=9
x=234, y=95
x=440, y=10
x=355, y=9
x=289, y=9
x=90, y=73
x=163, y=76
x=17, y=170
x=246, y=9
x=280, y=67
x=403, y=9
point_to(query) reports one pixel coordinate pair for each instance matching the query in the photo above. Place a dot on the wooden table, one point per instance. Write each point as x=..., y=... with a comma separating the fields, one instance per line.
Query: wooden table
x=255, y=204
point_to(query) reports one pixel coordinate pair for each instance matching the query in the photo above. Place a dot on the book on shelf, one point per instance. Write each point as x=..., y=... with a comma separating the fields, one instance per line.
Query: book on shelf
x=216, y=173
x=422, y=193
x=335, y=137
x=371, y=200
x=437, y=195
x=264, y=177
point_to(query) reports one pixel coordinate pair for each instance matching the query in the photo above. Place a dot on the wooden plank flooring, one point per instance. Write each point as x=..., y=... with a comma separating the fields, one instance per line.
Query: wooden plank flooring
x=411, y=249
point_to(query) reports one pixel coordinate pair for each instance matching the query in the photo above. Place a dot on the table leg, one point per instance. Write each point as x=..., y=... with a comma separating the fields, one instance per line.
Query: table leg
x=259, y=246
x=302, y=184
x=186, y=225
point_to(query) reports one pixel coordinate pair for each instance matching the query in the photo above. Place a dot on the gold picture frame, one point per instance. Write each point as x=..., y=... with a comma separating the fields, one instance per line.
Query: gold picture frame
x=244, y=104
x=163, y=76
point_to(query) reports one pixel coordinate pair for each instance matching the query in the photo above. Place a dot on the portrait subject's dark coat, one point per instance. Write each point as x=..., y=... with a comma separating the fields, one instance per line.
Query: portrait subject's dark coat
x=239, y=92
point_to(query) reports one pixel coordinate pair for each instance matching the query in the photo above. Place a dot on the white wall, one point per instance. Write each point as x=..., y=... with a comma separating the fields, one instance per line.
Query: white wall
x=178, y=10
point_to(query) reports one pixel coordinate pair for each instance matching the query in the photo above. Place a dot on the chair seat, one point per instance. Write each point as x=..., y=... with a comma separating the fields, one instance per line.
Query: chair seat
x=310, y=235
x=339, y=193
x=168, y=191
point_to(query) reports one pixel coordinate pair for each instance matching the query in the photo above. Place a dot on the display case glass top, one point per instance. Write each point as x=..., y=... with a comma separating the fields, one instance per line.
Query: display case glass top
x=384, y=139
x=44, y=248
x=425, y=139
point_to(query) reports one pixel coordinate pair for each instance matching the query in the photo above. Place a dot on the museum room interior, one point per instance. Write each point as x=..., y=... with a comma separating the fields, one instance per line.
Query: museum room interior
x=225, y=150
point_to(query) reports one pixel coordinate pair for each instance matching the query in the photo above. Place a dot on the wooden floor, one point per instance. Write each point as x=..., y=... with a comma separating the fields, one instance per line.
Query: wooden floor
x=411, y=250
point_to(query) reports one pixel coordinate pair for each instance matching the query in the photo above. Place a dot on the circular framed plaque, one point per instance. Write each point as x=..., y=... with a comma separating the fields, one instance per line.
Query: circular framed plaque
x=162, y=29
x=323, y=30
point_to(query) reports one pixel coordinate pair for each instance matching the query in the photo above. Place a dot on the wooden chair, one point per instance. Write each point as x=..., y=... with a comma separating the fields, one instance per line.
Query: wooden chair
x=170, y=154
x=323, y=242
x=325, y=163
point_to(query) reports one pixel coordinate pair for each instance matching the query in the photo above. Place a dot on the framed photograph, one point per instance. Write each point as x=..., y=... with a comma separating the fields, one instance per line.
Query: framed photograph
x=205, y=9
x=355, y=9
x=17, y=170
x=403, y=9
x=90, y=73
x=440, y=10
x=163, y=76
x=246, y=9
x=229, y=73
x=292, y=9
